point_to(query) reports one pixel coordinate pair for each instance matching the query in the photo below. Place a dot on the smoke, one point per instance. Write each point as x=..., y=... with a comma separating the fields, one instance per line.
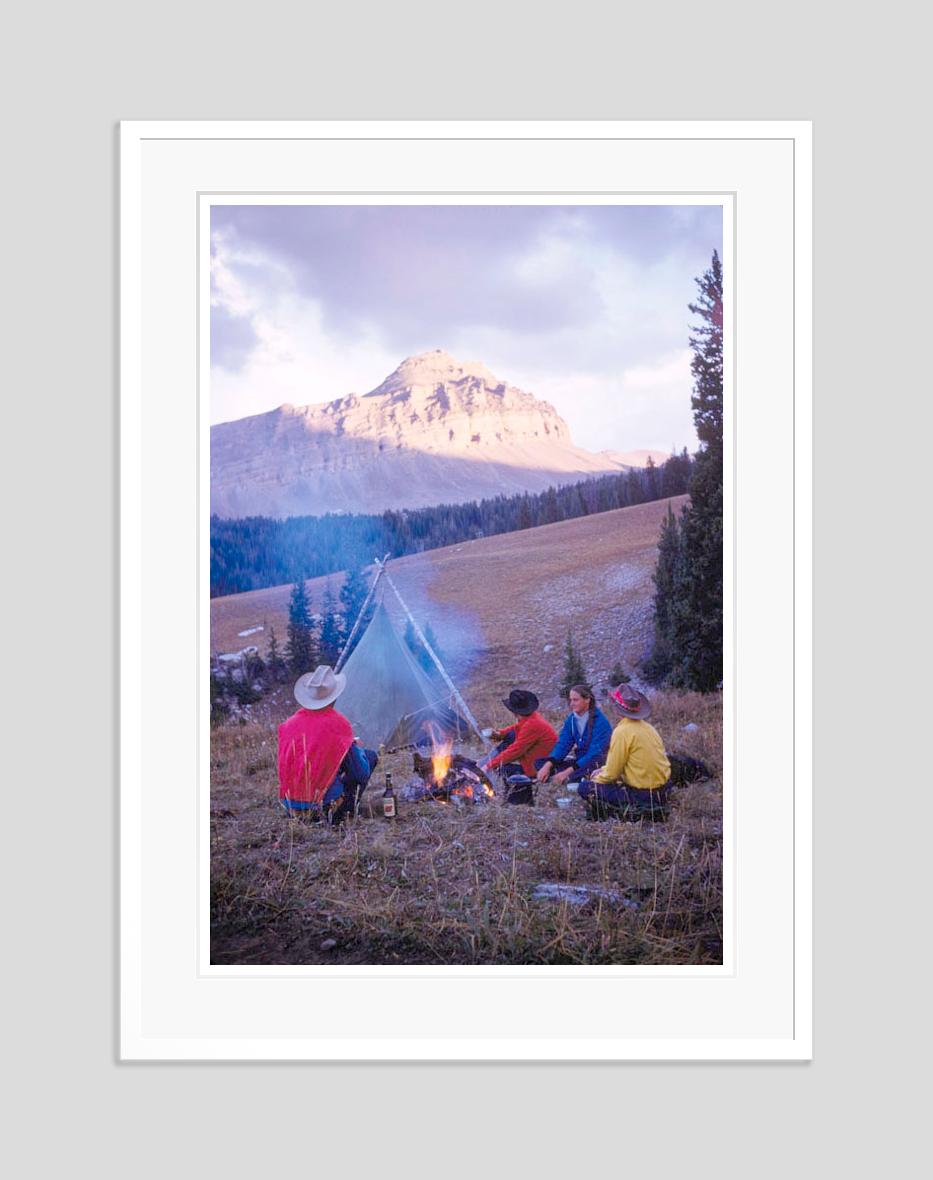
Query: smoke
x=459, y=636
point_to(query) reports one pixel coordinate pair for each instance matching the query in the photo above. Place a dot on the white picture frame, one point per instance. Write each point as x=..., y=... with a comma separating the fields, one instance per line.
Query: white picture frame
x=757, y=1005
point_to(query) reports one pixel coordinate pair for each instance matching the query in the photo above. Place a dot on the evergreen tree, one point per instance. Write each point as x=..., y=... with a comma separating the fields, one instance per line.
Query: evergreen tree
x=332, y=631
x=618, y=675
x=574, y=672
x=666, y=576
x=698, y=588
x=688, y=581
x=300, y=649
x=550, y=511
x=706, y=364
x=675, y=475
x=699, y=630
x=352, y=596
x=274, y=662
x=419, y=651
x=652, y=481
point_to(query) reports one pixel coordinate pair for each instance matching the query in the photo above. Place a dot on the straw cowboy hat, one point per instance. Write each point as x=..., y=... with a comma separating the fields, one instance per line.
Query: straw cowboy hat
x=631, y=702
x=521, y=702
x=317, y=689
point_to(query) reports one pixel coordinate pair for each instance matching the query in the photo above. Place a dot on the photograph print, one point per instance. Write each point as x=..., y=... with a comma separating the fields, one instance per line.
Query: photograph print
x=466, y=583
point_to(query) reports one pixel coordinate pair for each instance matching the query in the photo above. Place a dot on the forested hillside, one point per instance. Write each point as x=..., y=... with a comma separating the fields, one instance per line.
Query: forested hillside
x=258, y=551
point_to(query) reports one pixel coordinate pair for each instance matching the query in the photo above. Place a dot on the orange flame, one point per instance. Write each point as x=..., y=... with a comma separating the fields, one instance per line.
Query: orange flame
x=441, y=754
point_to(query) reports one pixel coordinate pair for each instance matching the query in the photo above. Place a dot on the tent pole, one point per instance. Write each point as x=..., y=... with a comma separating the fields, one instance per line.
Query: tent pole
x=359, y=617
x=437, y=663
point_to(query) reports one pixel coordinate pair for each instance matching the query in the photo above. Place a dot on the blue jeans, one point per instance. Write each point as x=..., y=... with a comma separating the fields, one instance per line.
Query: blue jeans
x=568, y=764
x=616, y=799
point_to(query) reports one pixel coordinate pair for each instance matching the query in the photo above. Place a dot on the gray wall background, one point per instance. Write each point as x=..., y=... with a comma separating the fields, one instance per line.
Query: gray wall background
x=72, y=73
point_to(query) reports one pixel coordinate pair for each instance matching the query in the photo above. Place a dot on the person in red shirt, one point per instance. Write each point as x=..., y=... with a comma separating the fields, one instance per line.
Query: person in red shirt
x=520, y=744
x=322, y=769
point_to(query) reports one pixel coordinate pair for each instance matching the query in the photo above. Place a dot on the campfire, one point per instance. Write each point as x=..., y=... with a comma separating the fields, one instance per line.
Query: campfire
x=450, y=777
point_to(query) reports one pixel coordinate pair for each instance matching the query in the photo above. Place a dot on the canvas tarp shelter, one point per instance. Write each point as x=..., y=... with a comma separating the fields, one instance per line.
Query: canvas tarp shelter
x=389, y=699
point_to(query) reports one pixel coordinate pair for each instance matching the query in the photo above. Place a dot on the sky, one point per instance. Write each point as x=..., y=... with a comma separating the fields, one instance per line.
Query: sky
x=584, y=306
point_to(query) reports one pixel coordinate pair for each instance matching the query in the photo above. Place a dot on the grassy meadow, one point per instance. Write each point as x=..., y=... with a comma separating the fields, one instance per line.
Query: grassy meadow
x=461, y=884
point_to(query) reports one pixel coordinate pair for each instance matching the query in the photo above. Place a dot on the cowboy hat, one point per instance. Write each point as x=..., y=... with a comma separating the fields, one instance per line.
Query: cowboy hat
x=630, y=701
x=317, y=689
x=521, y=702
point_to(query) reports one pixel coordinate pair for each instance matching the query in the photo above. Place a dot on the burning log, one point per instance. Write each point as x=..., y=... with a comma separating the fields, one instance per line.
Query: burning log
x=452, y=778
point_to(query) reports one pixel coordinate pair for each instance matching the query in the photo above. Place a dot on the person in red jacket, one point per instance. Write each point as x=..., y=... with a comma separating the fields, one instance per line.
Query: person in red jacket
x=520, y=744
x=322, y=769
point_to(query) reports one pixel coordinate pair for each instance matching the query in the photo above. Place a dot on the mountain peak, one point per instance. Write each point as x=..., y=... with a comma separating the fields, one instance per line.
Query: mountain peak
x=435, y=368
x=435, y=430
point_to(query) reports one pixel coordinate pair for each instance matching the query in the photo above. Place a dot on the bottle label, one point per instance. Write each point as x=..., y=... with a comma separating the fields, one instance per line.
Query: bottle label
x=388, y=808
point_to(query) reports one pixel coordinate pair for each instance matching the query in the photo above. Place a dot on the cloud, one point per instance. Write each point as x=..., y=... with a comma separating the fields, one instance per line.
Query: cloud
x=312, y=302
x=233, y=338
x=643, y=407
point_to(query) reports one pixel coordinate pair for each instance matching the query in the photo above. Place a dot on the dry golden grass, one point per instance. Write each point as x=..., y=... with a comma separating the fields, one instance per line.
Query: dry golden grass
x=455, y=885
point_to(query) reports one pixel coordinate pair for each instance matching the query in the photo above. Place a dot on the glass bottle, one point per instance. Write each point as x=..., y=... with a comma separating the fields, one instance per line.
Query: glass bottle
x=389, y=800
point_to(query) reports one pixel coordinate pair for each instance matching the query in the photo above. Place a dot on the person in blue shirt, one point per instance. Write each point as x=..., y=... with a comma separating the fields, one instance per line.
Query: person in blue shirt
x=583, y=741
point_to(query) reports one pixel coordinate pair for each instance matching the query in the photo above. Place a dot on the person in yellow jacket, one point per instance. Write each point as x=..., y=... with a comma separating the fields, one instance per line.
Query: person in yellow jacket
x=635, y=781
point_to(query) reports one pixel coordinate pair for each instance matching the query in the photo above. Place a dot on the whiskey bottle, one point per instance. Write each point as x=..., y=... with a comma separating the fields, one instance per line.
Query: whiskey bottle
x=389, y=800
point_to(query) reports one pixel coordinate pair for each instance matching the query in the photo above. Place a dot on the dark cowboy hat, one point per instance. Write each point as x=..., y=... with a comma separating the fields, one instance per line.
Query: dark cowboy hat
x=521, y=702
x=631, y=702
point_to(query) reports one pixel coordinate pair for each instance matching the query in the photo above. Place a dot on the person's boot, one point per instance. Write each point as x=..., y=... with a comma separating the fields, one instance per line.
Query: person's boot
x=337, y=811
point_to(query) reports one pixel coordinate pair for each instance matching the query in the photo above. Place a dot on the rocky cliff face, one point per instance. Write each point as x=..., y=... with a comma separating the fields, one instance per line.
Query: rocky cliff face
x=434, y=431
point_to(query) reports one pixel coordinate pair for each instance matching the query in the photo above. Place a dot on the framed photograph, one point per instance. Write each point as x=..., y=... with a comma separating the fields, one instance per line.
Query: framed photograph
x=465, y=599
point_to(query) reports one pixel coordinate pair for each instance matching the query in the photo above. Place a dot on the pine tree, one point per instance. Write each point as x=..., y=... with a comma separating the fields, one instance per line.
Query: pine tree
x=551, y=513
x=352, y=596
x=652, y=480
x=574, y=671
x=699, y=632
x=666, y=575
x=698, y=591
x=300, y=649
x=706, y=364
x=419, y=651
x=688, y=580
x=618, y=675
x=274, y=661
x=331, y=629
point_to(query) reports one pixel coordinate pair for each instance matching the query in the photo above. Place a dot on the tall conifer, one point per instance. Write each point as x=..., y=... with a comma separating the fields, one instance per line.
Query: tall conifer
x=352, y=596
x=300, y=649
x=574, y=671
x=688, y=580
x=274, y=661
x=332, y=631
